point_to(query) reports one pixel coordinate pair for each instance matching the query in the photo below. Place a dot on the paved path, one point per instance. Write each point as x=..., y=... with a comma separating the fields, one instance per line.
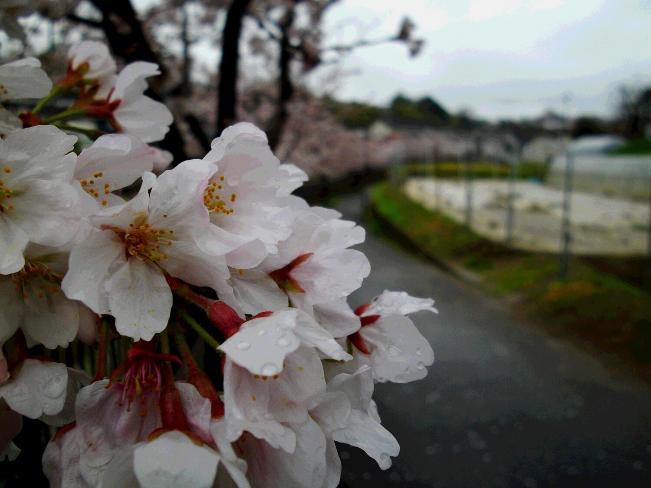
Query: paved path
x=503, y=405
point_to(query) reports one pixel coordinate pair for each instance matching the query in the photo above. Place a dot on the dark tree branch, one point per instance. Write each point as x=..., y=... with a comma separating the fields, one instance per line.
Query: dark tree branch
x=285, y=85
x=228, y=65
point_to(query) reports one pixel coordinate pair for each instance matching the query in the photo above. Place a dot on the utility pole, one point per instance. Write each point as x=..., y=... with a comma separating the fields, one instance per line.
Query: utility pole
x=566, y=225
x=510, y=211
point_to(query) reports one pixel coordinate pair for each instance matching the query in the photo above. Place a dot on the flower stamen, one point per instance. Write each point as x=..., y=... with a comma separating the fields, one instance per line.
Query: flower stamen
x=144, y=241
x=214, y=201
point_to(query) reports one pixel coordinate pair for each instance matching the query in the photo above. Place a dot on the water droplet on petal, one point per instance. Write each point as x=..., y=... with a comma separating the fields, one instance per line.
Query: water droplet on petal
x=419, y=352
x=262, y=332
x=243, y=345
x=420, y=365
x=283, y=342
x=269, y=369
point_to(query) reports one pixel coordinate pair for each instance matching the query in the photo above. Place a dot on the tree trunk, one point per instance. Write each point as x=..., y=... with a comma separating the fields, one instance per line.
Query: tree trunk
x=228, y=65
x=186, y=88
x=285, y=86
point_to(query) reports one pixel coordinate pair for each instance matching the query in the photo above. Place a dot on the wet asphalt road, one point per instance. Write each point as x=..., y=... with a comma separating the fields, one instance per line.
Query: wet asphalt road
x=504, y=405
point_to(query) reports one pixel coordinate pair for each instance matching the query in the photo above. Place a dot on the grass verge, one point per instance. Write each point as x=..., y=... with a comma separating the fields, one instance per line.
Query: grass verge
x=594, y=308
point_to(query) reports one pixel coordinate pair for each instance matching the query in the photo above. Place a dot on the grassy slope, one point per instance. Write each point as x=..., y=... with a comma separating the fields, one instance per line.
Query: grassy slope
x=634, y=147
x=592, y=306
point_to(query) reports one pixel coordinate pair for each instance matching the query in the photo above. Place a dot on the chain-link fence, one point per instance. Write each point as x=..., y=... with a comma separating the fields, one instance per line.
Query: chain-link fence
x=508, y=201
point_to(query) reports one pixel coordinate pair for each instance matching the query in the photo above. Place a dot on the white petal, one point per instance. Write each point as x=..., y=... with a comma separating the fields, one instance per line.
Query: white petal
x=48, y=212
x=144, y=118
x=257, y=292
x=131, y=80
x=120, y=471
x=76, y=379
x=185, y=260
x=197, y=409
x=399, y=352
x=331, y=410
x=91, y=262
x=337, y=318
x=9, y=122
x=312, y=334
x=51, y=319
x=179, y=191
x=232, y=469
x=334, y=275
x=13, y=241
x=247, y=407
x=173, y=460
x=42, y=152
x=364, y=432
x=399, y=302
x=140, y=300
x=96, y=54
x=305, y=467
x=121, y=158
x=24, y=78
x=262, y=344
x=38, y=388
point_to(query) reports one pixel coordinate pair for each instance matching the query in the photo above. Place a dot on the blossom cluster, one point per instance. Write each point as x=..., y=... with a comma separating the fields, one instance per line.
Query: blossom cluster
x=193, y=331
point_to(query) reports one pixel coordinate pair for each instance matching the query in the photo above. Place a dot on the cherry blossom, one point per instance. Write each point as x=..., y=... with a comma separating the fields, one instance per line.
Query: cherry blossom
x=209, y=337
x=36, y=388
x=21, y=79
x=31, y=299
x=92, y=61
x=37, y=200
x=316, y=270
x=134, y=112
x=396, y=350
x=247, y=196
x=111, y=163
x=120, y=267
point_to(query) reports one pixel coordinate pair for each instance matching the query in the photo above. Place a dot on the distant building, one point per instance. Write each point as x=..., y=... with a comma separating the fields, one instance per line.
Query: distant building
x=554, y=122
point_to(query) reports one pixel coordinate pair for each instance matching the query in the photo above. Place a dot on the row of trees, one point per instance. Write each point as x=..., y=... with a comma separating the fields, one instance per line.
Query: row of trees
x=287, y=35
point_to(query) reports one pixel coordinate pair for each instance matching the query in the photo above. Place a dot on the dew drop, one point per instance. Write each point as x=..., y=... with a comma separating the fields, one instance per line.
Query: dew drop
x=420, y=365
x=419, y=352
x=243, y=345
x=283, y=342
x=262, y=332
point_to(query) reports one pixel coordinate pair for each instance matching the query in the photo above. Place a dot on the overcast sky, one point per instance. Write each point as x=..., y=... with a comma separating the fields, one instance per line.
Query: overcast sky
x=499, y=58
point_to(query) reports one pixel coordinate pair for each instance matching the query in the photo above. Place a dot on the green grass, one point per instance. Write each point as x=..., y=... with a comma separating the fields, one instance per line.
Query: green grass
x=478, y=169
x=634, y=147
x=591, y=306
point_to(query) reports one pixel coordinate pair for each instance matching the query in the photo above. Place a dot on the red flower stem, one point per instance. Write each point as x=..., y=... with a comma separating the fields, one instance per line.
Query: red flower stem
x=219, y=314
x=171, y=407
x=198, y=378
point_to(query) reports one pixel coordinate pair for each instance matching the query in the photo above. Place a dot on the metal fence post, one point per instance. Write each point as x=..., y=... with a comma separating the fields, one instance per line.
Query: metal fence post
x=469, y=191
x=510, y=211
x=566, y=224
